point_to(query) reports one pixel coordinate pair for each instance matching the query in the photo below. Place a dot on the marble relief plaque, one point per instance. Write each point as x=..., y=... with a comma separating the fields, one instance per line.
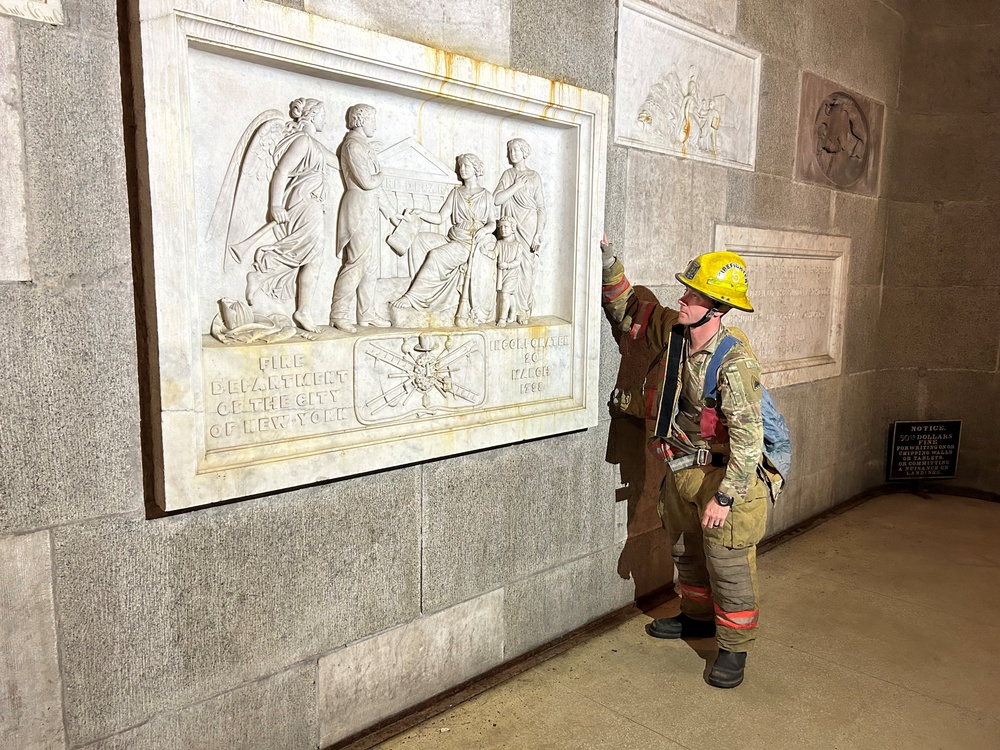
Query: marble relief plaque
x=798, y=287
x=683, y=90
x=839, y=138
x=46, y=11
x=365, y=253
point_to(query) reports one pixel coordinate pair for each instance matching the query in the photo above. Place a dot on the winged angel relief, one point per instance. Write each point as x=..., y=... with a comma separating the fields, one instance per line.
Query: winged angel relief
x=277, y=183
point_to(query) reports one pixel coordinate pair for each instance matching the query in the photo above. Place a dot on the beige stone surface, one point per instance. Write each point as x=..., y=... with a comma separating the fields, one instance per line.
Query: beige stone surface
x=391, y=671
x=235, y=720
x=951, y=69
x=922, y=340
x=864, y=220
x=671, y=209
x=30, y=686
x=932, y=164
x=815, y=37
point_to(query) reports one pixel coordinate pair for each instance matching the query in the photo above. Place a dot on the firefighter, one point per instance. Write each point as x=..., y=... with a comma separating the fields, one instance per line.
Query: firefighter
x=713, y=502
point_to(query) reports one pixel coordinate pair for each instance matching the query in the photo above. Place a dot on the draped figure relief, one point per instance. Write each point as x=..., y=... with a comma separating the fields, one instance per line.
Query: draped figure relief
x=287, y=248
x=519, y=196
x=447, y=280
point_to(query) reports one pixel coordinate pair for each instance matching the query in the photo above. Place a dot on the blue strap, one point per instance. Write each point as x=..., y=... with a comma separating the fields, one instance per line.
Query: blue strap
x=712, y=376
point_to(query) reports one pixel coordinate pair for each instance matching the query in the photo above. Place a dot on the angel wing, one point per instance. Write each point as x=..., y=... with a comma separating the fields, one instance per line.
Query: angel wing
x=241, y=208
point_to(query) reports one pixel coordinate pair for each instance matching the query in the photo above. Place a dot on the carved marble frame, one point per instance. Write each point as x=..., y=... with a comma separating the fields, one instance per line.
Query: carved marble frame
x=752, y=242
x=44, y=11
x=184, y=476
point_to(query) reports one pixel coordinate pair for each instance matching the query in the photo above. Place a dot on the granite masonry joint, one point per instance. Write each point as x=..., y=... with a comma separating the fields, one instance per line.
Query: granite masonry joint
x=137, y=514
x=205, y=699
x=59, y=647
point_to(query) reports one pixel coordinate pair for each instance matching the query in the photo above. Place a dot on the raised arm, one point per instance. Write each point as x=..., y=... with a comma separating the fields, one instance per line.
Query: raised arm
x=643, y=321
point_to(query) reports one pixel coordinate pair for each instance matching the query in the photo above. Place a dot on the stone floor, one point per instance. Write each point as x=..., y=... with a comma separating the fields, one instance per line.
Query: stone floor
x=880, y=629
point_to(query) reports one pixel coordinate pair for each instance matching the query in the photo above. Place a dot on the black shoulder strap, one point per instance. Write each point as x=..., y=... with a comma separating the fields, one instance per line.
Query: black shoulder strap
x=668, y=392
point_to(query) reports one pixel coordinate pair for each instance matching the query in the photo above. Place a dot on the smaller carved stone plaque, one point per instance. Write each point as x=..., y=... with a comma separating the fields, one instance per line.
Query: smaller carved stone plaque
x=840, y=137
x=798, y=287
x=46, y=11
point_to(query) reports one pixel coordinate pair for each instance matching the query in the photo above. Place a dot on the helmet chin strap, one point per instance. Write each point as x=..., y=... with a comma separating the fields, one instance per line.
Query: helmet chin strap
x=705, y=318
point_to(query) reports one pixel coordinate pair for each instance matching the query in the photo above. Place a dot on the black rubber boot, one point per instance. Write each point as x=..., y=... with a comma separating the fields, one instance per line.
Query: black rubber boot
x=727, y=672
x=681, y=626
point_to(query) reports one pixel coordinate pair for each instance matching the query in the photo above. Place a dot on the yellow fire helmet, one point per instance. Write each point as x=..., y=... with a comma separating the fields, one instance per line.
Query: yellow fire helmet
x=721, y=276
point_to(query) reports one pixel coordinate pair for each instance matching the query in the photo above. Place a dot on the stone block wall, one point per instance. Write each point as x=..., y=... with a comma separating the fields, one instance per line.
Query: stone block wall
x=294, y=620
x=940, y=320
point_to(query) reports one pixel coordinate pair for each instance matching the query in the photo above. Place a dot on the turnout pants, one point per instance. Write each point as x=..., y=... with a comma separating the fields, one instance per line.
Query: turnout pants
x=716, y=568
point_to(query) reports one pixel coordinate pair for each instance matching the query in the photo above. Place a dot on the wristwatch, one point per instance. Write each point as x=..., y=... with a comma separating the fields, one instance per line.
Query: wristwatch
x=722, y=499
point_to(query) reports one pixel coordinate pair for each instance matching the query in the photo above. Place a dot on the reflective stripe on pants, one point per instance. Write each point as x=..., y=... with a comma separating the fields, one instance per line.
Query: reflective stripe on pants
x=720, y=562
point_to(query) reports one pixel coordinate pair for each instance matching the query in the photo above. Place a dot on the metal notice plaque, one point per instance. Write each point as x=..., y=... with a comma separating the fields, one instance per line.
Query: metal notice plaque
x=924, y=450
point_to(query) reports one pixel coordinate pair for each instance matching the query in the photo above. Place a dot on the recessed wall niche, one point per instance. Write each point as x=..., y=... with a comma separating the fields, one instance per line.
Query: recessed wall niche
x=839, y=137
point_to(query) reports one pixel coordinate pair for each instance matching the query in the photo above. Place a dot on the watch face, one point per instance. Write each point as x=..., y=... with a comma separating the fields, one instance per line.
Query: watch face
x=723, y=500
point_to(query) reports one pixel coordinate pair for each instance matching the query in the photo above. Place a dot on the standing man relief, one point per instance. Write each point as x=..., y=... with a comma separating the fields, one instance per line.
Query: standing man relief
x=358, y=225
x=519, y=196
x=713, y=502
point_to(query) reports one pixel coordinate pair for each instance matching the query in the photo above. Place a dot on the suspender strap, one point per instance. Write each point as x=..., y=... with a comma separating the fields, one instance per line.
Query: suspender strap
x=712, y=376
x=668, y=394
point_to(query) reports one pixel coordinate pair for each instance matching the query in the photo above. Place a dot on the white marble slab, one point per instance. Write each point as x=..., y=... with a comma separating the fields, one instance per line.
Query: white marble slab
x=13, y=244
x=46, y=11
x=476, y=28
x=30, y=686
x=798, y=287
x=250, y=399
x=683, y=90
x=719, y=15
x=424, y=657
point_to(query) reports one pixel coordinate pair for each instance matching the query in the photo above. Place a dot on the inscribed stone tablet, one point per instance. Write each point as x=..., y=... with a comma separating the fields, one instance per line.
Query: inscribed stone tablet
x=46, y=11
x=798, y=287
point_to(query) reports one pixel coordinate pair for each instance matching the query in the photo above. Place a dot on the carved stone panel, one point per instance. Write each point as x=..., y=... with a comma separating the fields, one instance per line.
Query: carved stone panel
x=798, y=287
x=683, y=90
x=46, y=11
x=840, y=137
x=13, y=244
x=365, y=253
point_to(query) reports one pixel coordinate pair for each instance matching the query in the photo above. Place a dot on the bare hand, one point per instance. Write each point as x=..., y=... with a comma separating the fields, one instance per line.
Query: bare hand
x=535, y=244
x=414, y=212
x=279, y=214
x=715, y=515
x=396, y=220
